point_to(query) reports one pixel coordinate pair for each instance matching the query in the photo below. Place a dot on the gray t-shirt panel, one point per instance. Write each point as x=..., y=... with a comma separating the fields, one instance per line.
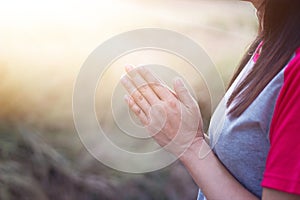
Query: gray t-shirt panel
x=242, y=143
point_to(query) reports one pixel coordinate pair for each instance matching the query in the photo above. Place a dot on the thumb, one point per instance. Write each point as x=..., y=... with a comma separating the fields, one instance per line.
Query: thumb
x=183, y=93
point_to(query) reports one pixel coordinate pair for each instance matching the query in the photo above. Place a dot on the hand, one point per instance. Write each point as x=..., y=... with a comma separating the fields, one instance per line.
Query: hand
x=172, y=119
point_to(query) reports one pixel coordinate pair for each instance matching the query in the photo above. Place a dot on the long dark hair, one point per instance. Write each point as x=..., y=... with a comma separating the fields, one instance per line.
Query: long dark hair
x=280, y=33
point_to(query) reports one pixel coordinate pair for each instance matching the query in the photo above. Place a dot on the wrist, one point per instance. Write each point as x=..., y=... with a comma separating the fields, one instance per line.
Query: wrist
x=193, y=149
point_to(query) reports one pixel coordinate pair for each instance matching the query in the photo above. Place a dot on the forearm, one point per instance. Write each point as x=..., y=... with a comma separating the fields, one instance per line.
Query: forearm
x=211, y=176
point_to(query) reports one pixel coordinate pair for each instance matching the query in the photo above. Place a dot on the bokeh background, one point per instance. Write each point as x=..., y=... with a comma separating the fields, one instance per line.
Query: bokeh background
x=43, y=44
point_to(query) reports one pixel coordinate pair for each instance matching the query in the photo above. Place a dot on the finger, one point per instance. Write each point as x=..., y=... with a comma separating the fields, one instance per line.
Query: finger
x=156, y=123
x=183, y=93
x=136, y=110
x=142, y=85
x=157, y=86
x=157, y=119
x=135, y=94
x=157, y=135
x=154, y=80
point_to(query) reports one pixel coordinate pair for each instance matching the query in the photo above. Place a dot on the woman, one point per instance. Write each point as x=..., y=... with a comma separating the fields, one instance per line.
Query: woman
x=256, y=153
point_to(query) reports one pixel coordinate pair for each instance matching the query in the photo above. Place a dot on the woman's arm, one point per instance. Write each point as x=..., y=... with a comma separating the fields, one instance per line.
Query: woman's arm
x=214, y=179
x=210, y=175
x=174, y=121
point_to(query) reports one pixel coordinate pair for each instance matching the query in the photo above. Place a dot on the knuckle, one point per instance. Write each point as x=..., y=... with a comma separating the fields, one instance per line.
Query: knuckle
x=138, y=96
x=172, y=102
x=144, y=88
x=157, y=85
x=136, y=110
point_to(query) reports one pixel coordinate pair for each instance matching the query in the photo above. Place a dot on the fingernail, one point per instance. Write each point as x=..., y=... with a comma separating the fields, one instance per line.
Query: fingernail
x=141, y=67
x=178, y=81
x=128, y=68
x=126, y=98
x=124, y=80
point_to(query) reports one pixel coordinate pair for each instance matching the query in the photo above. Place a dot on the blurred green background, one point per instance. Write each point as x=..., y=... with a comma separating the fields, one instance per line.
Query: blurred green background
x=42, y=47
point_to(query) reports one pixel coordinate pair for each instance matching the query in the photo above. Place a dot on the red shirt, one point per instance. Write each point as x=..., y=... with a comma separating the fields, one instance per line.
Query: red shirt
x=282, y=170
